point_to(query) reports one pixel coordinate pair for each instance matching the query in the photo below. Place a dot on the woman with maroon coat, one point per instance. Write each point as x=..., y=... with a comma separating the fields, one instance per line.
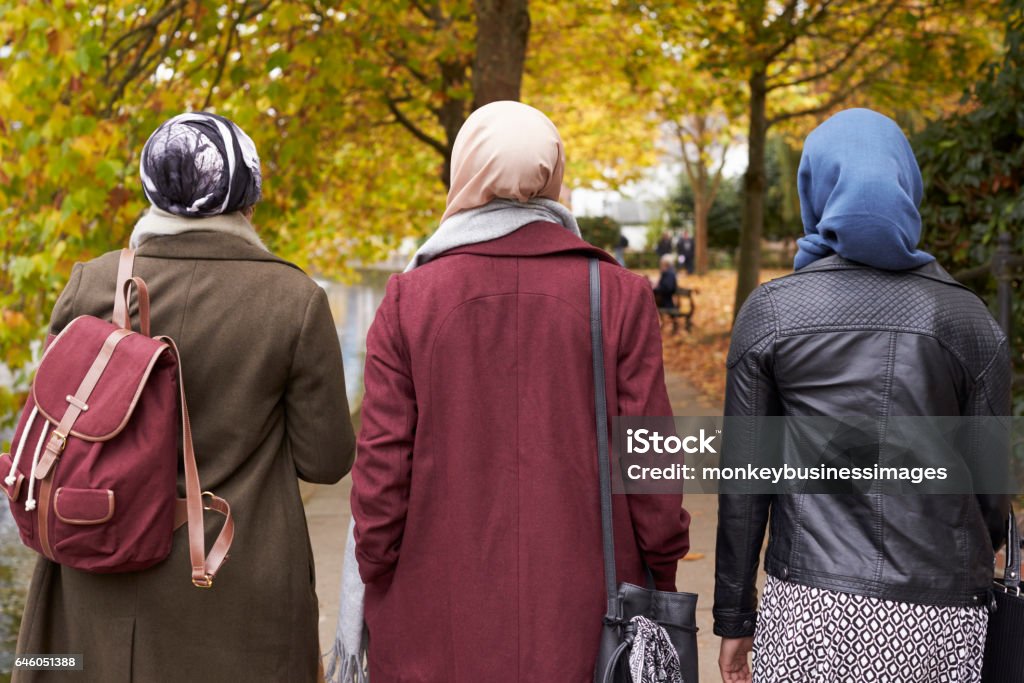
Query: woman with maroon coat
x=475, y=491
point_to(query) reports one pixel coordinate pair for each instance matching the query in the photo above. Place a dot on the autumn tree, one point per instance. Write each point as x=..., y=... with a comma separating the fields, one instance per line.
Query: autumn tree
x=798, y=60
x=700, y=112
x=353, y=106
x=439, y=61
x=580, y=72
x=971, y=162
x=344, y=100
x=704, y=142
x=803, y=60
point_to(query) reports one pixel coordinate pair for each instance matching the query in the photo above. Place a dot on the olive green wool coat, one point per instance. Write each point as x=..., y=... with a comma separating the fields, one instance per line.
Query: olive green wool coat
x=266, y=393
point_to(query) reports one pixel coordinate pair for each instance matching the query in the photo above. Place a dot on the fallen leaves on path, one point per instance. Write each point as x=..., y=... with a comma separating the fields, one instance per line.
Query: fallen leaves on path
x=700, y=355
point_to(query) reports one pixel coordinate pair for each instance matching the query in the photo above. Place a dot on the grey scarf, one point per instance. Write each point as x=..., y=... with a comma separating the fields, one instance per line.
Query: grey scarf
x=497, y=218
x=346, y=662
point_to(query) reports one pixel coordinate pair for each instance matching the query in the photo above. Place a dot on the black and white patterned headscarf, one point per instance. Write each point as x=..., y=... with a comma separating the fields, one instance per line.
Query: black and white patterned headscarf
x=200, y=164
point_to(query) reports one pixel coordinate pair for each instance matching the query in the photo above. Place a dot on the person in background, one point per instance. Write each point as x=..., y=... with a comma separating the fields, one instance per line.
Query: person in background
x=620, y=249
x=666, y=287
x=685, y=247
x=475, y=493
x=266, y=391
x=664, y=245
x=866, y=586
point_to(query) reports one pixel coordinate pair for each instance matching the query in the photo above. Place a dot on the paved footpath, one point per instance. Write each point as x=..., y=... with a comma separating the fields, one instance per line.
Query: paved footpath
x=327, y=513
x=696, y=572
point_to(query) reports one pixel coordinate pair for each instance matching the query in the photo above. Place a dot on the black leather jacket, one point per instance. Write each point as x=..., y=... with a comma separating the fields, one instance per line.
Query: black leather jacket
x=838, y=338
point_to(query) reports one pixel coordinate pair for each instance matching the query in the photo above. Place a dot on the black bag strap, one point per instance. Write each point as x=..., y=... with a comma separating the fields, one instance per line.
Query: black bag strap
x=1011, y=573
x=603, y=460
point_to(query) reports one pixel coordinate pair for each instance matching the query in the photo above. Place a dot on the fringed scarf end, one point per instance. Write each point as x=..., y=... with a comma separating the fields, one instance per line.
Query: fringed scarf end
x=345, y=667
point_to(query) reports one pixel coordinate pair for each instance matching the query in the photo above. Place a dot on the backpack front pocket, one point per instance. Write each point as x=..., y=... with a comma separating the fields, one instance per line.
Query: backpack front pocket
x=82, y=526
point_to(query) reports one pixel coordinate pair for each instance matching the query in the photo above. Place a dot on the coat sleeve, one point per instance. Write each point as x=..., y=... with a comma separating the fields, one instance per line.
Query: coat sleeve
x=317, y=420
x=382, y=475
x=991, y=397
x=743, y=518
x=661, y=524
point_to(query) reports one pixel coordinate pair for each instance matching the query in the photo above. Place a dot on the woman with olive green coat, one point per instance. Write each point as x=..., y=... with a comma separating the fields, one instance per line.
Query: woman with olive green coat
x=266, y=392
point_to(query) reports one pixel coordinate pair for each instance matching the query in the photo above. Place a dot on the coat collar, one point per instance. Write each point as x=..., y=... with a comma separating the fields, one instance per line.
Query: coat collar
x=930, y=271
x=534, y=239
x=207, y=246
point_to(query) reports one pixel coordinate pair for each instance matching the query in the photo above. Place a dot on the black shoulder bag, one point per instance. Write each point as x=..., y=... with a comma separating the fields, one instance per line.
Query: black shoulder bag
x=1004, y=656
x=676, y=612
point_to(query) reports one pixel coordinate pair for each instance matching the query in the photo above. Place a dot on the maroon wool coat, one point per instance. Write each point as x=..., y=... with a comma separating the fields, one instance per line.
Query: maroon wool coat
x=475, y=489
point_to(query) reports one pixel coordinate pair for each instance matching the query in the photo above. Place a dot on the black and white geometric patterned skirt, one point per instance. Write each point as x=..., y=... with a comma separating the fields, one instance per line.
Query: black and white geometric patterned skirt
x=812, y=635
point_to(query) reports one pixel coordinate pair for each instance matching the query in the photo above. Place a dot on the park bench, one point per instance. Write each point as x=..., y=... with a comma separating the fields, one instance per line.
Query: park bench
x=675, y=312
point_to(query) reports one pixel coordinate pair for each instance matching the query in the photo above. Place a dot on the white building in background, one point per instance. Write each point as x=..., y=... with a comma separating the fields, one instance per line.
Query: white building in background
x=636, y=218
x=636, y=206
x=644, y=202
x=635, y=215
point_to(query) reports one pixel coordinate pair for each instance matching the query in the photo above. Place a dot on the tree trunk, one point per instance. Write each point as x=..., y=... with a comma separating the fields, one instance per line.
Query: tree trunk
x=451, y=114
x=701, y=209
x=749, y=266
x=502, y=29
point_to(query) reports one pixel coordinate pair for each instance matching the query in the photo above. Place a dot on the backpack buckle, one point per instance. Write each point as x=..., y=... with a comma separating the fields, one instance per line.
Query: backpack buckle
x=57, y=436
x=206, y=581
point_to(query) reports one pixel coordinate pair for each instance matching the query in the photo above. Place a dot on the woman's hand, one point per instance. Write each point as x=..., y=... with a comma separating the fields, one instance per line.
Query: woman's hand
x=732, y=659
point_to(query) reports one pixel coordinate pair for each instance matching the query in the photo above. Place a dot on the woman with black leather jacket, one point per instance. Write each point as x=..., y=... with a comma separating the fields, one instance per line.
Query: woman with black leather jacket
x=860, y=586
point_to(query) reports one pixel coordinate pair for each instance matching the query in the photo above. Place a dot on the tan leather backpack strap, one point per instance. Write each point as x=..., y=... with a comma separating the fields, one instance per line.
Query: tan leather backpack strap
x=204, y=566
x=125, y=268
x=142, y=294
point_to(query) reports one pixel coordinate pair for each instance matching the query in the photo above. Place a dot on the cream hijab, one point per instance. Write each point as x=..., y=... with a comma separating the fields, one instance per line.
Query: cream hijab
x=507, y=166
x=505, y=150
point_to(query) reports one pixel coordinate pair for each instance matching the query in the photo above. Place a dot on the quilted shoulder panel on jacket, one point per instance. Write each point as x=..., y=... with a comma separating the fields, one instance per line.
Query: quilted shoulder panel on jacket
x=866, y=299
x=755, y=323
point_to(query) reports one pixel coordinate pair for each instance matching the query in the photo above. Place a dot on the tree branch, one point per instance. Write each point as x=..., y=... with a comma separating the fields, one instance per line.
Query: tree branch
x=798, y=30
x=716, y=183
x=847, y=55
x=223, y=61
x=433, y=14
x=403, y=62
x=256, y=11
x=232, y=33
x=416, y=131
x=133, y=71
x=833, y=101
x=150, y=25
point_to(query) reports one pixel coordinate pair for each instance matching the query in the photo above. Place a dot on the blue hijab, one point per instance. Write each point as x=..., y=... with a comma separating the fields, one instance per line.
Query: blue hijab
x=860, y=187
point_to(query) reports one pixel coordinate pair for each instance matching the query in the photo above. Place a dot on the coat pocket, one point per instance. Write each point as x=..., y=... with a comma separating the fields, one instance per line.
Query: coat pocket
x=83, y=519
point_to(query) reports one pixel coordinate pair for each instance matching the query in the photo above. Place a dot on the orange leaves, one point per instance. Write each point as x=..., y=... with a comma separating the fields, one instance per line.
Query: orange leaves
x=57, y=41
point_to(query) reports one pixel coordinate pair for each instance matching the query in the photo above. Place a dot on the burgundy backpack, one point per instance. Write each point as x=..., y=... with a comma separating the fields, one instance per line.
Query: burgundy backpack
x=92, y=476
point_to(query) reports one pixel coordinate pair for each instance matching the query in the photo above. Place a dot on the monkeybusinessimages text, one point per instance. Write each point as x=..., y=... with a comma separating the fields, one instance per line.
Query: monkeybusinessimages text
x=646, y=442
